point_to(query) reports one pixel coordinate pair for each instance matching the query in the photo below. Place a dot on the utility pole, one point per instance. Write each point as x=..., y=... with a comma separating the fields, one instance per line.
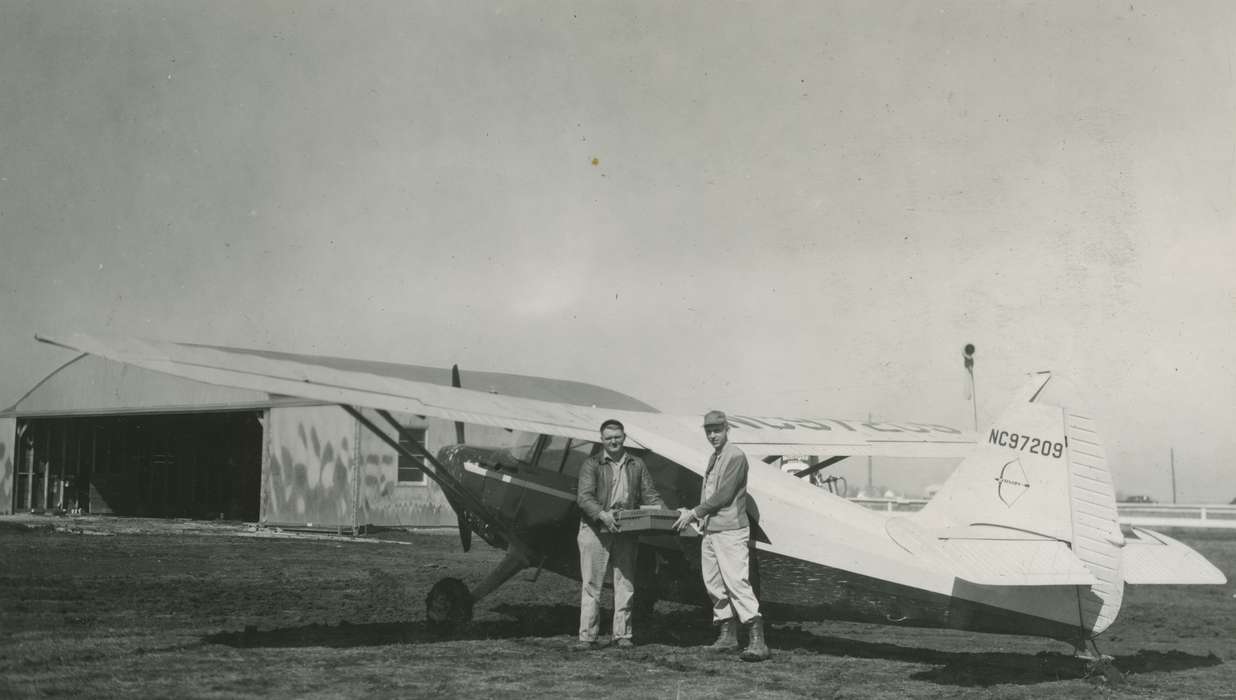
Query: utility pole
x=870, y=488
x=968, y=353
x=1173, y=458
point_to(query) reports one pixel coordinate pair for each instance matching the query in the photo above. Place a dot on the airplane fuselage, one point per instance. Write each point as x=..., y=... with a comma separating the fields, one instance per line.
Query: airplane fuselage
x=539, y=506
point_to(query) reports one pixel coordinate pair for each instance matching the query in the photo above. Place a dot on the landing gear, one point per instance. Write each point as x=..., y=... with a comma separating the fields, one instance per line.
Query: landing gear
x=1099, y=666
x=1087, y=654
x=450, y=603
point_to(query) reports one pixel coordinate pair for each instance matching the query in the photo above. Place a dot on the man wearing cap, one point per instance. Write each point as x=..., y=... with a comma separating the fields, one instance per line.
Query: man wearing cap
x=724, y=552
x=614, y=481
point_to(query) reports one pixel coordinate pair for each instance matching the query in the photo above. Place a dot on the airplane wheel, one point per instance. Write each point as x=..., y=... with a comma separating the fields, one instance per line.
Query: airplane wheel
x=449, y=603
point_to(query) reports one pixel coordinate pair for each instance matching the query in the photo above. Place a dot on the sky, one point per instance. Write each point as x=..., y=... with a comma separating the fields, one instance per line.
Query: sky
x=772, y=208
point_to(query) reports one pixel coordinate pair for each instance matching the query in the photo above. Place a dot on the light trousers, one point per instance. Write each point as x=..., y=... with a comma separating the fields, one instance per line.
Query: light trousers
x=597, y=554
x=725, y=563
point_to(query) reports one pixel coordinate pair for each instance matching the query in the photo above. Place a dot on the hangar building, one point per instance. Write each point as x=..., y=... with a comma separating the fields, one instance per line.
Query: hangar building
x=97, y=436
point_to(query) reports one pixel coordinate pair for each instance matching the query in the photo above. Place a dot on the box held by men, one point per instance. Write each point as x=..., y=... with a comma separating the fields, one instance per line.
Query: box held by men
x=647, y=521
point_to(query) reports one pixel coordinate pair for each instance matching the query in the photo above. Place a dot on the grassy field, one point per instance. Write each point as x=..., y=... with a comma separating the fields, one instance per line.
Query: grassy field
x=99, y=607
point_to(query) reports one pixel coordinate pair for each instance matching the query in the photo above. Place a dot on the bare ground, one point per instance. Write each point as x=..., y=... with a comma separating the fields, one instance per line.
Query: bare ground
x=108, y=607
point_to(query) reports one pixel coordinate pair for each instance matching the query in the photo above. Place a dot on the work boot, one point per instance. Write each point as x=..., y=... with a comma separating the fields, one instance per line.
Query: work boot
x=728, y=639
x=756, y=649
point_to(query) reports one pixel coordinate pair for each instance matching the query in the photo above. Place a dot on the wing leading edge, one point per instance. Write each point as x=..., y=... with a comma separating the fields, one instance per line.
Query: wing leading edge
x=676, y=437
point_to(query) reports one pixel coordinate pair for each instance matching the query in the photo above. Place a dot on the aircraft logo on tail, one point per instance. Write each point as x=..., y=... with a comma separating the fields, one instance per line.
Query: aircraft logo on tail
x=1012, y=482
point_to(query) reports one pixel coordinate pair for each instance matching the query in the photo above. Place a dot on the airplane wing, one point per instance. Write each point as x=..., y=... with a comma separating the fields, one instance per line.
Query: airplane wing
x=330, y=385
x=679, y=438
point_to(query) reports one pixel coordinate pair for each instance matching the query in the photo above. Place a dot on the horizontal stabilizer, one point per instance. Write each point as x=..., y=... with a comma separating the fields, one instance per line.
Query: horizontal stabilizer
x=1021, y=562
x=1154, y=558
x=990, y=555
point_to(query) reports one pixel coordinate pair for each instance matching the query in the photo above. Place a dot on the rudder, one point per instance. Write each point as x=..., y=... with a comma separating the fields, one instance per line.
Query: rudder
x=1042, y=469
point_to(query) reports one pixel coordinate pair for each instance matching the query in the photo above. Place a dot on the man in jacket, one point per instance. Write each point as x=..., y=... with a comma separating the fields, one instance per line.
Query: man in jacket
x=616, y=480
x=724, y=551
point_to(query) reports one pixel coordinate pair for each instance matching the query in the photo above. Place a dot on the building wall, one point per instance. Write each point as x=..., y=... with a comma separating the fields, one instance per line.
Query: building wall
x=310, y=468
x=387, y=501
x=323, y=469
x=318, y=465
x=8, y=462
x=320, y=468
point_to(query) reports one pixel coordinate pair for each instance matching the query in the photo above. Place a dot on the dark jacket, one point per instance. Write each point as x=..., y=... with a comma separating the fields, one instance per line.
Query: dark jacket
x=592, y=490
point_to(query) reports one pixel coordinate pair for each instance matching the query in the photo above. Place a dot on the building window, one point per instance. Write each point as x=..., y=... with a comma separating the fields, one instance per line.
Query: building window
x=411, y=470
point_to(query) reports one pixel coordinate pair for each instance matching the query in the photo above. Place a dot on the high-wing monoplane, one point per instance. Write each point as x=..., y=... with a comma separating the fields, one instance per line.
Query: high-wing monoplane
x=1022, y=538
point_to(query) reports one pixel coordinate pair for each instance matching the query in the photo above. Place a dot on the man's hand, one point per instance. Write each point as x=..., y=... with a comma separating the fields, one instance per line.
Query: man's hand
x=607, y=519
x=685, y=516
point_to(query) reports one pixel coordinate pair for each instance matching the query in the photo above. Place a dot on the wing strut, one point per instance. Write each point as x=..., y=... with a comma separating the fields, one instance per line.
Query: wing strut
x=454, y=490
x=819, y=465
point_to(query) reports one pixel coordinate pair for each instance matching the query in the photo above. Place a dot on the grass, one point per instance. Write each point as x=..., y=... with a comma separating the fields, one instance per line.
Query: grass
x=112, y=607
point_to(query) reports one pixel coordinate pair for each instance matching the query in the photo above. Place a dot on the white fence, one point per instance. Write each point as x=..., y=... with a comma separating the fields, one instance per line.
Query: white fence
x=891, y=504
x=1182, y=515
x=1140, y=514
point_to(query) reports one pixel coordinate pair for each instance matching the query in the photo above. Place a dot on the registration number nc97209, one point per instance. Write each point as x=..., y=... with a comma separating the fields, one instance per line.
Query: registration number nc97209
x=1026, y=443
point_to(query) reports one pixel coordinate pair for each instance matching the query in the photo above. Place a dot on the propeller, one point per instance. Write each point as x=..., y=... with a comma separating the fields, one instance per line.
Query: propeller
x=465, y=531
x=459, y=426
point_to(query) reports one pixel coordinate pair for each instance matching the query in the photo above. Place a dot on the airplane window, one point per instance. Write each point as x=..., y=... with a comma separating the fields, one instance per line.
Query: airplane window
x=577, y=451
x=411, y=470
x=524, y=448
x=677, y=486
x=551, y=456
x=557, y=454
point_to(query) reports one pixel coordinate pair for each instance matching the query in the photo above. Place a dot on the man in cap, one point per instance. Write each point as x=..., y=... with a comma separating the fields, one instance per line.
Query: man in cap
x=617, y=480
x=724, y=552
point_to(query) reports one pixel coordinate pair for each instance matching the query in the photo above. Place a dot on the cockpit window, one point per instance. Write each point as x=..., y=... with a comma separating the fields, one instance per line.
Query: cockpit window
x=549, y=453
x=577, y=451
x=563, y=455
x=524, y=449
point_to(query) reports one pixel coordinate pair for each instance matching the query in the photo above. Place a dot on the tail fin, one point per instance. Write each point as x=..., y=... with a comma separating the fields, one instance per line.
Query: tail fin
x=1042, y=469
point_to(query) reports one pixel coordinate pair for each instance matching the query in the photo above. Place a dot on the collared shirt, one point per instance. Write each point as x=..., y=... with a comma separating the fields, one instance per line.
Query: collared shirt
x=618, y=485
x=723, y=494
x=710, y=477
x=594, y=487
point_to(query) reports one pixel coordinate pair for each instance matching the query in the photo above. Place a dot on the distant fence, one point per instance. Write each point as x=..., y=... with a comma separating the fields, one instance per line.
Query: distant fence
x=891, y=504
x=1173, y=515
x=1140, y=514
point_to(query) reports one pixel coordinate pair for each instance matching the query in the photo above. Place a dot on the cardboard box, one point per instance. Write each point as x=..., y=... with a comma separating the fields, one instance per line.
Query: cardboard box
x=646, y=521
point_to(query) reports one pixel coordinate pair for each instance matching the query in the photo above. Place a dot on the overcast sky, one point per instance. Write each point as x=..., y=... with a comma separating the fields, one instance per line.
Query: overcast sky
x=783, y=209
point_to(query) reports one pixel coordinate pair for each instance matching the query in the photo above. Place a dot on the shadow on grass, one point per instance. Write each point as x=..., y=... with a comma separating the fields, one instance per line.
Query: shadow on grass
x=983, y=669
x=679, y=628
x=991, y=668
x=523, y=621
x=527, y=621
x=691, y=629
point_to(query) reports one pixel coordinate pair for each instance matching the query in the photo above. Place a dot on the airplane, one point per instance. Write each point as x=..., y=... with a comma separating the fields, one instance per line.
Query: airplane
x=1022, y=538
